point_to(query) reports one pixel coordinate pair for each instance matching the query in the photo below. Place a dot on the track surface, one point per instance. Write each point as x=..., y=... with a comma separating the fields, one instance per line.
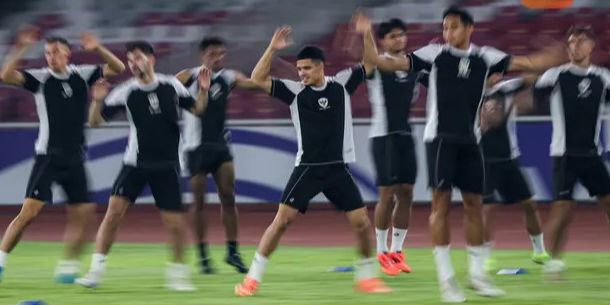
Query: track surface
x=322, y=226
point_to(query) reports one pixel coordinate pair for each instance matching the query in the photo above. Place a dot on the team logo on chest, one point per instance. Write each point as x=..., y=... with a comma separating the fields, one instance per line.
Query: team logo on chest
x=323, y=103
x=584, y=88
x=464, y=68
x=401, y=76
x=67, y=93
x=153, y=103
x=215, y=91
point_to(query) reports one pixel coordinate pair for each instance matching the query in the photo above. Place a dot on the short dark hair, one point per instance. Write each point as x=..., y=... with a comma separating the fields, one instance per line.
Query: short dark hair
x=311, y=52
x=141, y=45
x=465, y=16
x=211, y=41
x=386, y=27
x=581, y=30
x=58, y=39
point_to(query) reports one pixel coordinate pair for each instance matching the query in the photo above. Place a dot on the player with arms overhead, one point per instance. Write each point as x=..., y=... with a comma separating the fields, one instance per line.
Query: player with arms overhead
x=321, y=113
x=61, y=93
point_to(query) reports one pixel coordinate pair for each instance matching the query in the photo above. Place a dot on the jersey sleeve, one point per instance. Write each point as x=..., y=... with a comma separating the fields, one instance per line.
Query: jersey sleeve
x=351, y=78
x=497, y=61
x=509, y=87
x=423, y=58
x=546, y=83
x=423, y=77
x=605, y=75
x=33, y=78
x=285, y=90
x=184, y=97
x=90, y=73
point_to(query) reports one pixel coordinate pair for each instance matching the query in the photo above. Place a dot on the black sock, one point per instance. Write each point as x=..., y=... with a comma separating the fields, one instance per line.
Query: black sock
x=232, y=247
x=203, y=251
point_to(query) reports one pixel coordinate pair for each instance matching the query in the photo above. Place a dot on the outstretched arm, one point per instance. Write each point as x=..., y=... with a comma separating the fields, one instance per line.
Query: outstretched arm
x=25, y=40
x=540, y=61
x=260, y=75
x=113, y=64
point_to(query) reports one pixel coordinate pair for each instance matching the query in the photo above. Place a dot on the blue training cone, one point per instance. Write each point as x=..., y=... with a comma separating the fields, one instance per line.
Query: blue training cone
x=342, y=269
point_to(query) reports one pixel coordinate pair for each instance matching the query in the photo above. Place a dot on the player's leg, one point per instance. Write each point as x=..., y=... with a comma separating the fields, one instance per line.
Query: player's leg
x=198, y=216
x=302, y=185
x=470, y=179
x=125, y=190
x=597, y=180
x=285, y=215
x=384, y=167
x=604, y=202
x=565, y=176
x=441, y=159
x=38, y=192
x=342, y=191
x=225, y=181
x=383, y=216
x=197, y=164
x=80, y=221
x=166, y=190
x=534, y=230
x=406, y=173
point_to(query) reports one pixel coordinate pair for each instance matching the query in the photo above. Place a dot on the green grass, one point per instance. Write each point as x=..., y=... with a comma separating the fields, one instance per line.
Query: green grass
x=135, y=276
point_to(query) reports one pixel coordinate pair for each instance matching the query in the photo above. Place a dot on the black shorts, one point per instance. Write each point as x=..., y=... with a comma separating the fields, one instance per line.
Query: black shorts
x=67, y=171
x=505, y=183
x=394, y=158
x=452, y=164
x=207, y=158
x=591, y=172
x=164, y=185
x=334, y=181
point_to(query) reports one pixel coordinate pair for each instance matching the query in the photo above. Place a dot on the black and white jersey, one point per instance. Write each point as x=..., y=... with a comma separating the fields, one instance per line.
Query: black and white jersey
x=61, y=103
x=322, y=116
x=456, y=85
x=153, y=113
x=577, y=97
x=500, y=143
x=210, y=126
x=391, y=95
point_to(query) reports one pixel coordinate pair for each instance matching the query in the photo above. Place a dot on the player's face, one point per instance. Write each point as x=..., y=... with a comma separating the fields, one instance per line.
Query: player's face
x=57, y=56
x=455, y=32
x=580, y=47
x=395, y=41
x=310, y=72
x=139, y=63
x=213, y=57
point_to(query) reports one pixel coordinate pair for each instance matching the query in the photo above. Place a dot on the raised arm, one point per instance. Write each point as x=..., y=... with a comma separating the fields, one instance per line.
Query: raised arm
x=260, y=75
x=371, y=57
x=113, y=64
x=539, y=62
x=99, y=91
x=369, y=53
x=25, y=40
x=204, y=79
x=243, y=82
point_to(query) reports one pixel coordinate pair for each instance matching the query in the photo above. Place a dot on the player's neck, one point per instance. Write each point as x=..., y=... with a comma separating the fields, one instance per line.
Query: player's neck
x=462, y=46
x=320, y=83
x=61, y=70
x=396, y=53
x=584, y=63
x=146, y=79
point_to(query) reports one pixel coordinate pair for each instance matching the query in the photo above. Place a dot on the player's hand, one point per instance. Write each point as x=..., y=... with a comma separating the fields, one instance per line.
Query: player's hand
x=205, y=78
x=281, y=38
x=28, y=36
x=99, y=91
x=493, y=79
x=89, y=42
x=361, y=22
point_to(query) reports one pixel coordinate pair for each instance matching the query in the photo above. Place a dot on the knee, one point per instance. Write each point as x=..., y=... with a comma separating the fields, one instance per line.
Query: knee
x=438, y=215
x=281, y=223
x=27, y=214
x=361, y=225
x=227, y=198
x=405, y=190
